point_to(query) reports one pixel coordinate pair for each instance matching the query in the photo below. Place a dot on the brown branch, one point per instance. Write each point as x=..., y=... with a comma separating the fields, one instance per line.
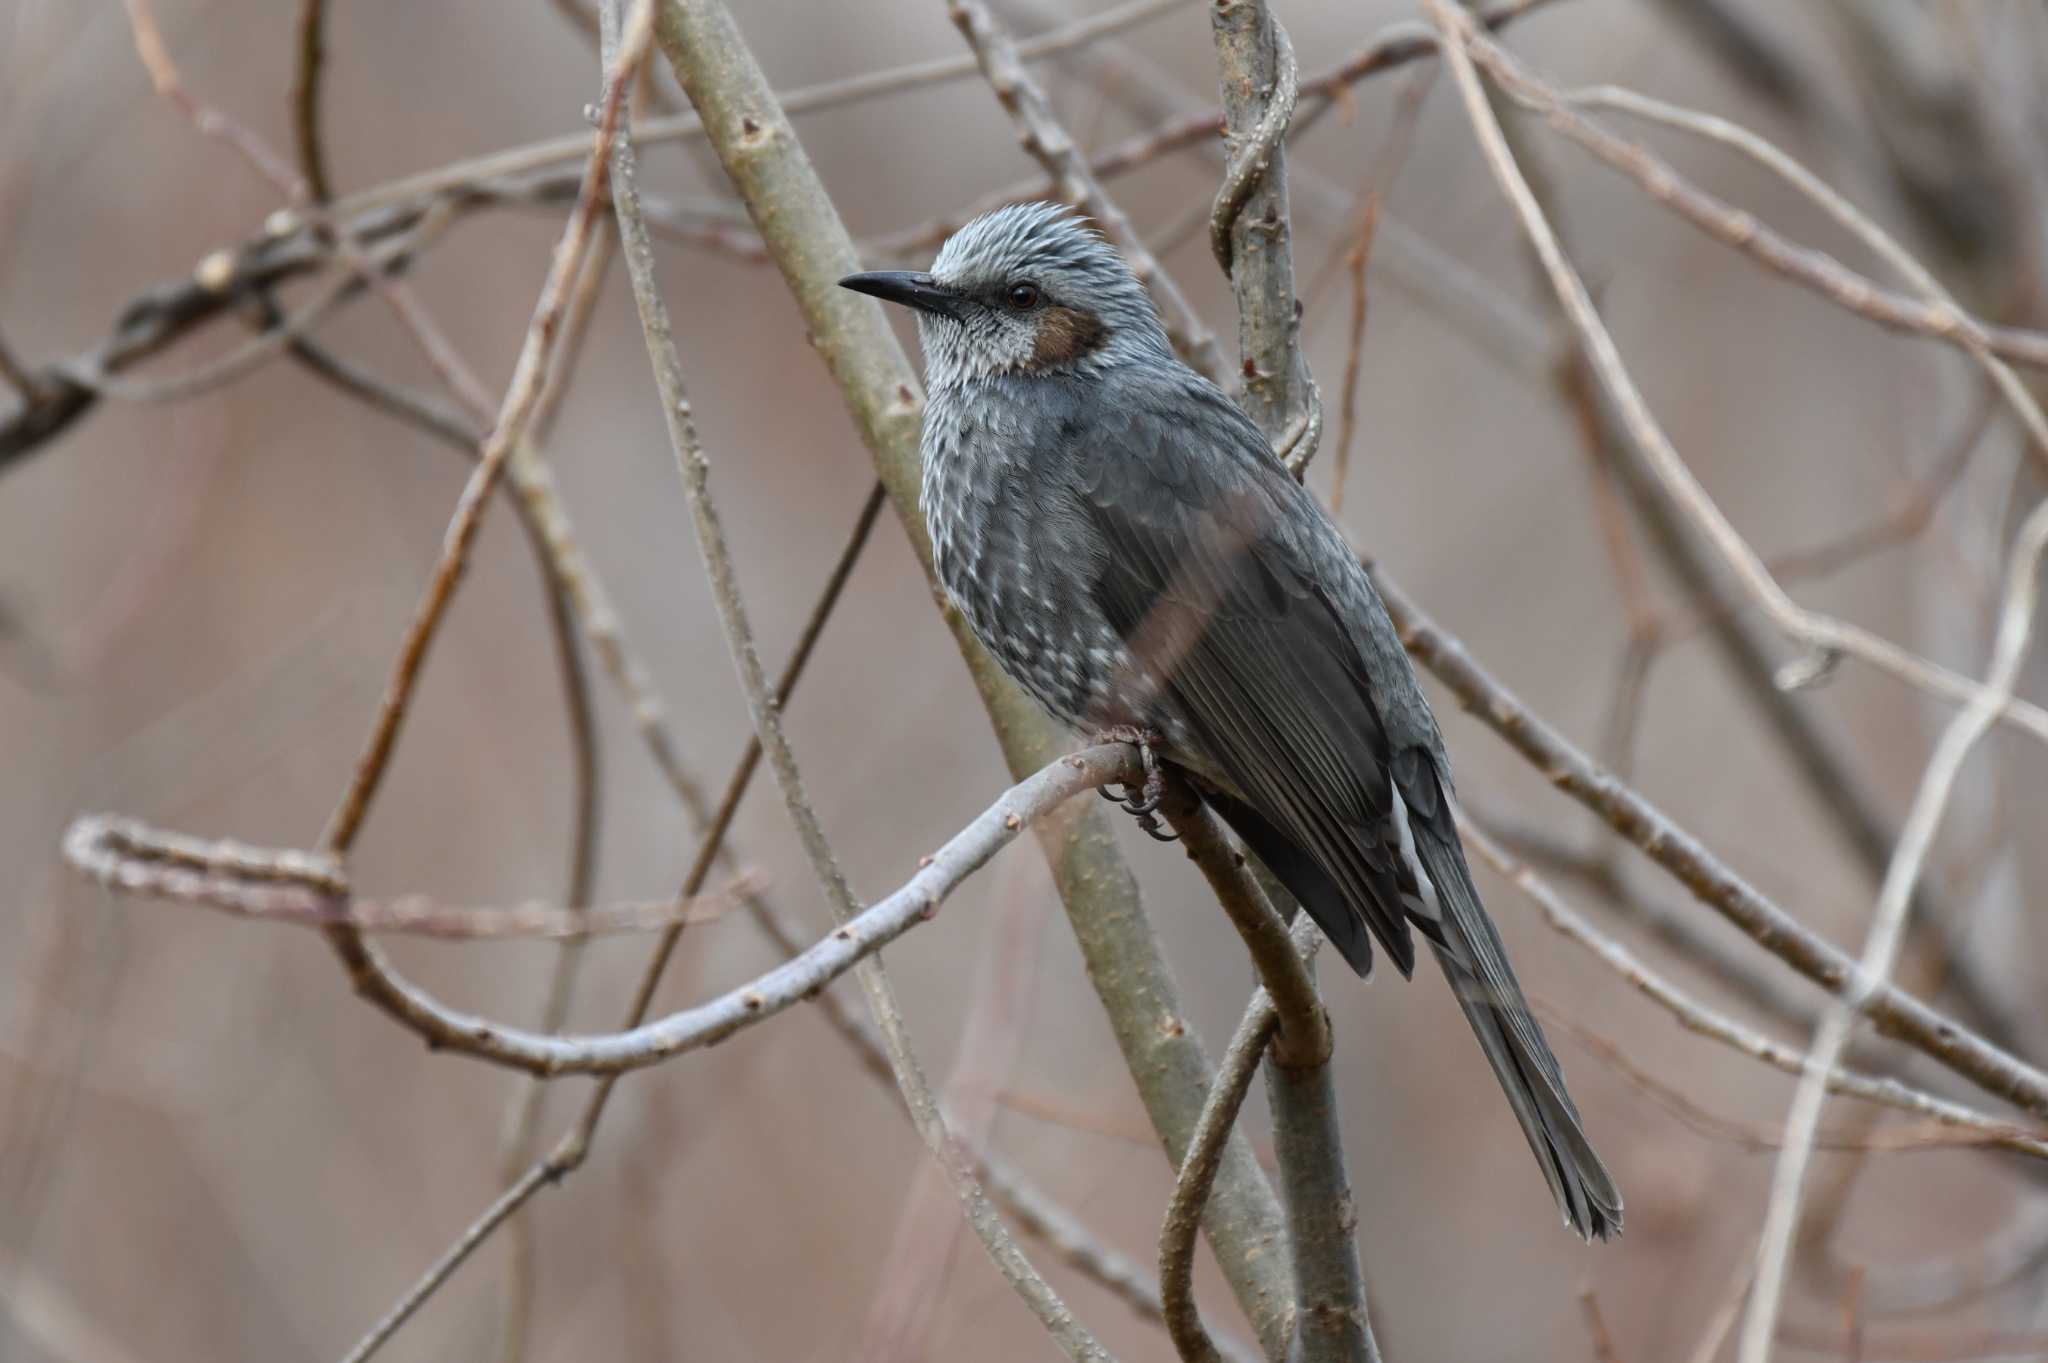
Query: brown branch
x=521, y=397
x=1940, y=318
x=165, y=314
x=1974, y=1127
x=155, y=56
x=1596, y=1328
x=311, y=55
x=1304, y=1038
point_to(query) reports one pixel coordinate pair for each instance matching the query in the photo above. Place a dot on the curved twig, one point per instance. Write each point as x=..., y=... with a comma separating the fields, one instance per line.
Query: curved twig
x=1253, y=159
x=1198, y=1174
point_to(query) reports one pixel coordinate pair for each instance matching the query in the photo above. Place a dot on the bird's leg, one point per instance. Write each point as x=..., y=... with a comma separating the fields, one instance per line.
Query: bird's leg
x=1144, y=804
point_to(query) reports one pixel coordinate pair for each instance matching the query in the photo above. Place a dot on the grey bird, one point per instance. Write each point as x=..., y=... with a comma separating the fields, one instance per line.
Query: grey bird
x=1119, y=534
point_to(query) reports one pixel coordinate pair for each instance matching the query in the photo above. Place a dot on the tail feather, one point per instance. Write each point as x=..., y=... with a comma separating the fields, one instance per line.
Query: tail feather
x=1473, y=959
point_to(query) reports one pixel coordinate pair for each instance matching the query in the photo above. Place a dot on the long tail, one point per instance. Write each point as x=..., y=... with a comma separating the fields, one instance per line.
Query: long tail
x=1475, y=962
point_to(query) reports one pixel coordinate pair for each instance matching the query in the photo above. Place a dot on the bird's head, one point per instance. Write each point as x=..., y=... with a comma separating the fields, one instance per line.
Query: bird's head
x=1029, y=289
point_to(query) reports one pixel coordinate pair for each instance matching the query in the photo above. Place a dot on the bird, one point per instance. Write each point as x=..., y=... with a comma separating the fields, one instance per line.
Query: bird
x=1121, y=537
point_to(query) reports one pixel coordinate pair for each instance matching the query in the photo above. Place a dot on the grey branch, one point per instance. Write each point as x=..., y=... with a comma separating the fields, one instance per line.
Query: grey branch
x=803, y=232
x=1891, y=1010
x=685, y=26
x=1251, y=225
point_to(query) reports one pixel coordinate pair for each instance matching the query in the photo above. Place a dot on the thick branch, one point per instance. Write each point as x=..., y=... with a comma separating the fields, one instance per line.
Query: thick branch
x=1059, y=1322
x=811, y=246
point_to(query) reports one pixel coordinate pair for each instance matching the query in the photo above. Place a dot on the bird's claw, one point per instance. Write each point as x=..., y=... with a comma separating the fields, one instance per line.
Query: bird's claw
x=1145, y=803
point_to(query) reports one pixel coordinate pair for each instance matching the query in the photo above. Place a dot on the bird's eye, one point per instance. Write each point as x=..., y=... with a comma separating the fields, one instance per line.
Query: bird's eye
x=1022, y=296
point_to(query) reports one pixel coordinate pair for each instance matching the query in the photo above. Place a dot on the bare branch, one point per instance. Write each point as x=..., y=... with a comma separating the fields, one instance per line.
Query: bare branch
x=1895, y=1013
x=1197, y=1177
x=299, y=887
x=1251, y=229
x=508, y=1202
x=155, y=56
x=1073, y=1338
x=312, y=59
x=812, y=248
x=1887, y=930
x=1690, y=1013
x=1824, y=634
x=1330, y=1320
x=1936, y=314
x=520, y=399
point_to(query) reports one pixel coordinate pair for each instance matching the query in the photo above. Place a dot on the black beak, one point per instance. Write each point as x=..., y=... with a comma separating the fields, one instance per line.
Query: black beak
x=912, y=289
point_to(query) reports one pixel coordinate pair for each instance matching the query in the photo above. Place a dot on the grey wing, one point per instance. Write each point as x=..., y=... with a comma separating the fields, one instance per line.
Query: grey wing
x=1220, y=589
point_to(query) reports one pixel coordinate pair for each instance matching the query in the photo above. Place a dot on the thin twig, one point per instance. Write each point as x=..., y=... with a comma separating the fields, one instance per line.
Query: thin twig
x=155, y=56
x=1689, y=1012
x=1803, y=265
x=521, y=396
x=1197, y=1176
x=522, y=1116
x=167, y=313
x=292, y=886
x=1949, y=321
x=311, y=61
x=1824, y=634
x=1399, y=139
x=1887, y=929
x=1894, y=1013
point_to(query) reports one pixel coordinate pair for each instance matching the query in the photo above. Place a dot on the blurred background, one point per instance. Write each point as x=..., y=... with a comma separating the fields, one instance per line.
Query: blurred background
x=210, y=1149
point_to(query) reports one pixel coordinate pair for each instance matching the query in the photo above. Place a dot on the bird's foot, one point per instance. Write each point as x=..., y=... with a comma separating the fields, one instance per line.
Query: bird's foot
x=1145, y=803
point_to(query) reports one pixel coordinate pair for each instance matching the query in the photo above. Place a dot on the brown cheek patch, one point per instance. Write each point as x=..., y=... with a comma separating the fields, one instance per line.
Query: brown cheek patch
x=1065, y=335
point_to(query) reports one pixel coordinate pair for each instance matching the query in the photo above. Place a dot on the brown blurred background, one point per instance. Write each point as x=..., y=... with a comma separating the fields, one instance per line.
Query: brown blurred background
x=210, y=1149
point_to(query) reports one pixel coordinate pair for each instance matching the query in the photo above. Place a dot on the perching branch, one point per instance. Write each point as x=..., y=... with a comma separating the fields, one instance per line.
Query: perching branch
x=813, y=250
x=1072, y=1337
x=1304, y=1038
